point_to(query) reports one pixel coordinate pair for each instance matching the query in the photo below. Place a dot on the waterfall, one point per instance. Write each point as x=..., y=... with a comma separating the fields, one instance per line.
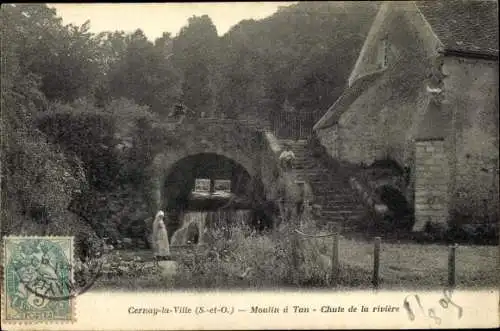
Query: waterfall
x=194, y=223
x=242, y=216
x=191, y=230
x=194, y=216
x=227, y=218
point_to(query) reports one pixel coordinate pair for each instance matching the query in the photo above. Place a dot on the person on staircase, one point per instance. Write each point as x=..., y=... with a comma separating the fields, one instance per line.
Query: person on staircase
x=287, y=158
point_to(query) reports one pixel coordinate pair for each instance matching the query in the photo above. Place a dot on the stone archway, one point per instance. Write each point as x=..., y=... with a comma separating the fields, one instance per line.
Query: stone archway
x=246, y=147
x=176, y=180
x=229, y=140
x=165, y=164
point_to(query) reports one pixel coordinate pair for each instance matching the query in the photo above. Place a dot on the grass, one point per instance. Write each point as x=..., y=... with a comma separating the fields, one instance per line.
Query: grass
x=402, y=265
x=411, y=265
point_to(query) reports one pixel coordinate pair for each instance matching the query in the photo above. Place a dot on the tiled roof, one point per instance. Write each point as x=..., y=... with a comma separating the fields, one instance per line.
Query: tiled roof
x=350, y=94
x=463, y=26
x=469, y=26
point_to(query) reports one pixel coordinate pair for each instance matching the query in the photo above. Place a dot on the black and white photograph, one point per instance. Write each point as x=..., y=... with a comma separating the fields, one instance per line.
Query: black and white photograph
x=266, y=146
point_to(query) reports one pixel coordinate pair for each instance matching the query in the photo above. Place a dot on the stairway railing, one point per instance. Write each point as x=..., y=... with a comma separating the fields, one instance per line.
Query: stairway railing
x=298, y=125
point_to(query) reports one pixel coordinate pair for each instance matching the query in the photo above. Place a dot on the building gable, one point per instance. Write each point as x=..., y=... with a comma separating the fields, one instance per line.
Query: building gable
x=398, y=36
x=377, y=50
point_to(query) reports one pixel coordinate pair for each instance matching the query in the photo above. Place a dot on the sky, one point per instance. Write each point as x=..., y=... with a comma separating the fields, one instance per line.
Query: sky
x=156, y=18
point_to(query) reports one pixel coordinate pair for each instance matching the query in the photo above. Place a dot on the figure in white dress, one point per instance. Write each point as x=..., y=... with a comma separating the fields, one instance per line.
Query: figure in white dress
x=161, y=248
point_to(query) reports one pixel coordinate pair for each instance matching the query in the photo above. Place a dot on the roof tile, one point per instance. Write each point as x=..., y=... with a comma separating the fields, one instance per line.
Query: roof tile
x=464, y=25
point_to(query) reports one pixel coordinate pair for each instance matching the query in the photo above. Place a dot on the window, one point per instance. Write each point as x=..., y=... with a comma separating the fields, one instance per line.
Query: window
x=222, y=185
x=202, y=185
x=386, y=52
x=383, y=53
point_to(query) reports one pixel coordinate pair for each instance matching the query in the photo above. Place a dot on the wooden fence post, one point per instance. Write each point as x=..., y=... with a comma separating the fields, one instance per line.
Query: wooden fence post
x=451, y=265
x=295, y=249
x=295, y=245
x=376, y=262
x=335, y=256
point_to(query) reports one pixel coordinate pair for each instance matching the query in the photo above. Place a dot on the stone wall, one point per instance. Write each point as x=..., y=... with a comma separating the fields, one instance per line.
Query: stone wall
x=431, y=184
x=471, y=89
x=329, y=138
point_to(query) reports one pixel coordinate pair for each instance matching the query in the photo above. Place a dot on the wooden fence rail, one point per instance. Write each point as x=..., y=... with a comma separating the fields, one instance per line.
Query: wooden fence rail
x=335, y=235
x=335, y=266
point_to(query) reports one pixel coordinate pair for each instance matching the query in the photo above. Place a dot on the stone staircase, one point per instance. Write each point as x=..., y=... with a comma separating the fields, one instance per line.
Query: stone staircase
x=330, y=185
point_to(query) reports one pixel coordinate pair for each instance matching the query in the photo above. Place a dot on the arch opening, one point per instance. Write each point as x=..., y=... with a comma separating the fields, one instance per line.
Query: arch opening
x=215, y=189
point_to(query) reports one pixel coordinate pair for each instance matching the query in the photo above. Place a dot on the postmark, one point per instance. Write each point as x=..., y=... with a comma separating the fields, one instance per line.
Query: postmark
x=38, y=273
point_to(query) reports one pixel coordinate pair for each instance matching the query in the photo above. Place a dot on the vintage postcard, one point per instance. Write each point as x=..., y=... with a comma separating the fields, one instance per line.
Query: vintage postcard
x=253, y=165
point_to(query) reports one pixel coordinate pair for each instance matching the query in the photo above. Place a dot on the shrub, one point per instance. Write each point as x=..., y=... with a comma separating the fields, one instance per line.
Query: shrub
x=242, y=257
x=482, y=233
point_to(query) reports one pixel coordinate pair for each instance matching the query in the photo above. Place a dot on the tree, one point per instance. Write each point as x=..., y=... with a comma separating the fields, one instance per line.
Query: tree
x=38, y=181
x=144, y=73
x=303, y=54
x=243, y=67
x=195, y=54
x=64, y=57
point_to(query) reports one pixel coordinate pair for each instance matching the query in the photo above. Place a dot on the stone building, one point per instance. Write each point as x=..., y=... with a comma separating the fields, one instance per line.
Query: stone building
x=424, y=94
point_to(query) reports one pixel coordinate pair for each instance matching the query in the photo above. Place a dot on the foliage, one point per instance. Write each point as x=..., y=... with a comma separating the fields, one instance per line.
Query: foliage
x=195, y=54
x=64, y=57
x=291, y=57
x=479, y=234
x=261, y=260
x=227, y=260
x=38, y=180
x=143, y=72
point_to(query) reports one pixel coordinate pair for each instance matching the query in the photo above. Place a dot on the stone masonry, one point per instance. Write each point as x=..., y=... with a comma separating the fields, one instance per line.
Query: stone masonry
x=431, y=184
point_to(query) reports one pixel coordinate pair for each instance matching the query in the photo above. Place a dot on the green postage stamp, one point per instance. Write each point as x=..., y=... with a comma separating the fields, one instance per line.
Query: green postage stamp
x=37, y=277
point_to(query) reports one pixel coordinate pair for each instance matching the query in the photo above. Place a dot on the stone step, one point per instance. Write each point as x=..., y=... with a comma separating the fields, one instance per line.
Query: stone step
x=327, y=178
x=311, y=164
x=332, y=202
x=335, y=188
x=304, y=160
x=340, y=211
x=334, y=214
x=335, y=195
x=320, y=177
x=299, y=141
x=324, y=186
x=339, y=218
x=299, y=161
x=335, y=201
x=309, y=167
x=340, y=206
x=332, y=192
x=344, y=205
x=336, y=198
x=332, y=189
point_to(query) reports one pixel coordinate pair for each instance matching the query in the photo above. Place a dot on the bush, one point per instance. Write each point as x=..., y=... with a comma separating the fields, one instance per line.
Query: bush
x=483, y=233
x=242, y=257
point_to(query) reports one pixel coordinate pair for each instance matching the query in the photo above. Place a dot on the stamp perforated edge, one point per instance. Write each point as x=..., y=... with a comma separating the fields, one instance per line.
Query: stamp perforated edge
x=4, y=284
